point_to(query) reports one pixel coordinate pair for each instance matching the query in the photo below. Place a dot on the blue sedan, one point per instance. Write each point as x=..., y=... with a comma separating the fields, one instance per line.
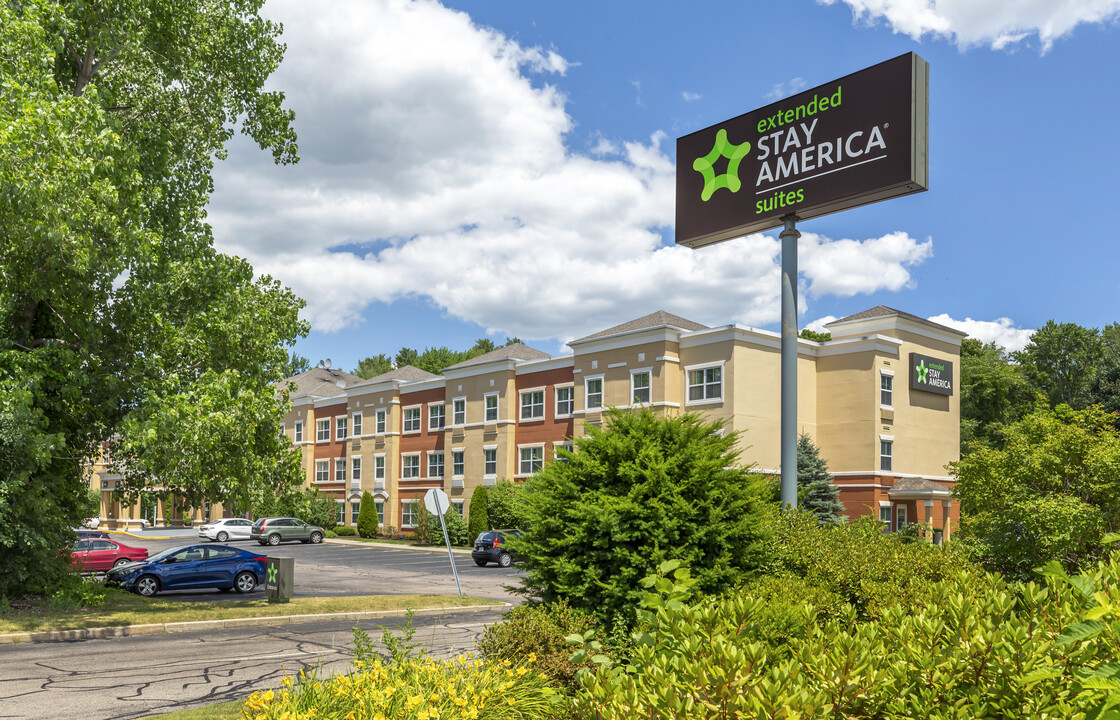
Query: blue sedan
x=190, y=567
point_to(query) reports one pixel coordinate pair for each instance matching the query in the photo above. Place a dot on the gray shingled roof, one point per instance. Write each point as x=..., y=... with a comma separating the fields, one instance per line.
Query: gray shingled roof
x=653, y=320
x=321, y=382
x=884, y=311
x=517, y=351
x=408, y=373
x=917, y=485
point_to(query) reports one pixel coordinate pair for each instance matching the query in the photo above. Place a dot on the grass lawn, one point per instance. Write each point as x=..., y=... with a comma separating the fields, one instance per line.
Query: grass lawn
x=221, y=711
x=123, y=608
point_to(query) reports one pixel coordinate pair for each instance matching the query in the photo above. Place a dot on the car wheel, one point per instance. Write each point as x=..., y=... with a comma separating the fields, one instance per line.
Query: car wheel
x=245, y=582
x=223, y=536
x=480, y=563
x=505, y=560
x=121, y=561
x=316, y=538
x=274, y=539
x=147, y=586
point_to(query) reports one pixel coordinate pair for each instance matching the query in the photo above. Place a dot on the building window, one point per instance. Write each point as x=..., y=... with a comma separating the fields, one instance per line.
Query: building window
x=532, y=405
x=322, y=430
x=356, y=470
x=355, y=510
x=639, y=388
x=340, y=428
x=532, y=458
x=412, y=419
x=490, y=461
x=491, y=403
x=435, y=464
x=457, y=506
x=565, y=401
x=299, y=431
x=379, y=467
x=705, y=384
x=437, y=416
x=340, y=470
x=380, y=505
x=409, y=514
x=379, y=422
x=410, y=467
x=322, y=471
x=357, y=424
x=459, y=411
x=885, y=517
x=900, y=517
x=594, y=393
x=886, y=450
x=561, y=446
x=886, y=390
x=458, y=466
x=340, y=516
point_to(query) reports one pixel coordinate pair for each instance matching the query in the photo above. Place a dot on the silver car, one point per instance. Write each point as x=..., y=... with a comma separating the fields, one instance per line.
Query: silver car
x=226, y=529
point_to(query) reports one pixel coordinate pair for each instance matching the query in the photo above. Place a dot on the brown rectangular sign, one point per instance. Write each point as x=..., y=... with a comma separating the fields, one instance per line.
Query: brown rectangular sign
x=849, y=142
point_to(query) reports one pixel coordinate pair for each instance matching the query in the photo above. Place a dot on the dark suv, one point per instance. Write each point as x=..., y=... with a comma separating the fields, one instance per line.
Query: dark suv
x=273, y=531
x=490, y=546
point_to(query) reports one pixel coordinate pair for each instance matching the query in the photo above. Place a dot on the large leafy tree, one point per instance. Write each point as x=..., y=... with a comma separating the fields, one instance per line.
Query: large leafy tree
x=643, y=489
x=994, y=394
x=119, y=319
x=1060, y=361
x=1050, y=492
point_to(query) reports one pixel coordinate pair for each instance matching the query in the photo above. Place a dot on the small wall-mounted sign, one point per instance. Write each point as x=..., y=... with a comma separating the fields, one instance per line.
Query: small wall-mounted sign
x=931, y=374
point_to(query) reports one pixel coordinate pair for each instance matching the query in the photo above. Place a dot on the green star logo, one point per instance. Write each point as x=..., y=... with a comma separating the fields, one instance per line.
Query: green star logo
x=922, y=371
x=705, y=166
x=271, y=573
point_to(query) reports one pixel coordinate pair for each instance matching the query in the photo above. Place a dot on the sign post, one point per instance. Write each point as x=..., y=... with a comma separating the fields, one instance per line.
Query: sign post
x=435, y=500
x=850, y=142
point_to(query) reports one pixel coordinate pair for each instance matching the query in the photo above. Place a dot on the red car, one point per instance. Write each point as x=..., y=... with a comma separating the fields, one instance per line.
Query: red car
x=99, y=555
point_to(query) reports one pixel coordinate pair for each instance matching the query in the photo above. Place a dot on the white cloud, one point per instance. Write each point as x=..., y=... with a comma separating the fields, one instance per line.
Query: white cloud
x=435, y=166
x=1001, y=331
x=818, y=325
x=997, y=23
x=690, y=96
x=781, y=90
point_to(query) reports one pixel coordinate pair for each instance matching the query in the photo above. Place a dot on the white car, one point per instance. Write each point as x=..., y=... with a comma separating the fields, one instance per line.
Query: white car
x=226, y=529
x=91, y=523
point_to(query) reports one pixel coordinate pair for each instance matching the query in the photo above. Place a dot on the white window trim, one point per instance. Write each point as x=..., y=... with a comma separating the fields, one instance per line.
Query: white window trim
x=360, y=422
x=380, y=417
x=602, y=393
x=340, y=461
x=462, y=452
x=899, y=513
x=319, y=421
x=454, y=400
x=404, y=418
x=297, y=432
x=486, y=475
x=428, y=455
x=419, y=467
x=384, y=465
x=432, y=406
x=415, y=504
x=345, y=420
x=556, y=400
x=890, y=374
x=528, y=446
x=497, y=407
x=722, y=383
x=327, y=465
x=649, y=388
x=521, y=404
x=358, y=460
x=459, y=504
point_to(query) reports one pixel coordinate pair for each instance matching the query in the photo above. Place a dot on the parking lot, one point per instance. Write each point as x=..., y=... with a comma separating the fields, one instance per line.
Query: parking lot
x=338, y=570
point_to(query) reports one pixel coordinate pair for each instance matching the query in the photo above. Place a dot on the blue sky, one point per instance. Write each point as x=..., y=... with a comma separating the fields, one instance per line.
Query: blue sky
x=484, y=169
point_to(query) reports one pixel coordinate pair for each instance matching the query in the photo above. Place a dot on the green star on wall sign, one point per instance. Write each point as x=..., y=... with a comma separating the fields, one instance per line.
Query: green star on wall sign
x=272, y=573
x=922, y=370
x=705, y=166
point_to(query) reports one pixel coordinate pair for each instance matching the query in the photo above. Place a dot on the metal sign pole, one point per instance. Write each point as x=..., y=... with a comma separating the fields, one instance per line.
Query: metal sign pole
x=447, y=542
x=789, y=238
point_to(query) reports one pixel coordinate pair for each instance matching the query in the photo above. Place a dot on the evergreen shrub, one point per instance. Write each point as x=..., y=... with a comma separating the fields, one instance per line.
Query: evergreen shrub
x=367, y=517
x=345, y=531
x=478, y=518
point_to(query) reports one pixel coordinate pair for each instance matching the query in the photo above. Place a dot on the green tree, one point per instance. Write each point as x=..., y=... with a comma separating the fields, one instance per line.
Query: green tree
x=478, y=518
x=807, y=334
x=367, y=517
x=1060, y=360
x=505, y=504
x=373, y=366
x=1050, y=493
x=1105, y=388
x=642, y=490
x=296, y=364
x=434, y=360
x=816, y=493
x=406, y=356
x=117, y=312
x=994, y=394
x=481, y=347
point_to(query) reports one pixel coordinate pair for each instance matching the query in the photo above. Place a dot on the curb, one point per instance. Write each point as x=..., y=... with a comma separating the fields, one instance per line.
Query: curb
x=45, y=636
x=134, y=535
x=394, y=546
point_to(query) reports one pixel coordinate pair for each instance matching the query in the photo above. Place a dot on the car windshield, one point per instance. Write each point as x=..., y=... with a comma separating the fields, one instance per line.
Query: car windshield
x=166, y=553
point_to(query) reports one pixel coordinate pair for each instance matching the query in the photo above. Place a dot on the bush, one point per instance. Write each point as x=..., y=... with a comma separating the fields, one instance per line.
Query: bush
x=427, y=530
x=538, y=632
x=367, y=517
x=478, y=520
x=413, y=689
x=977, y=649
x=456, y=528
x=641, y=490
x=345, y=531
x=505, y=505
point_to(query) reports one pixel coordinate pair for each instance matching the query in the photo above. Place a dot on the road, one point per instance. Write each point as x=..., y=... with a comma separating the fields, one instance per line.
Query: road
x=133, y=677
